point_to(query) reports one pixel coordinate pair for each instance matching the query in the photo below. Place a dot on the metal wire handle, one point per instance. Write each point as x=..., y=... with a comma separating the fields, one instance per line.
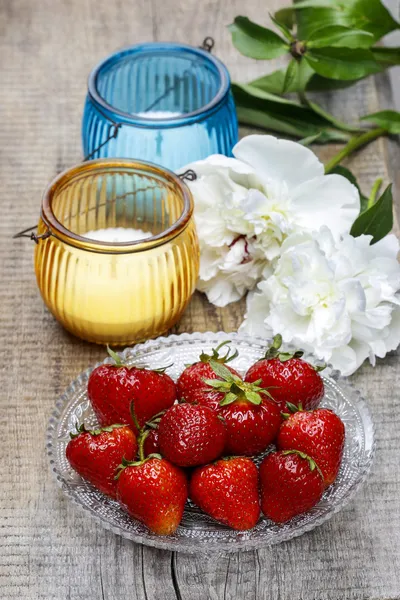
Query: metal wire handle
x=208, y=44
x=33, y=236
x=189, y=175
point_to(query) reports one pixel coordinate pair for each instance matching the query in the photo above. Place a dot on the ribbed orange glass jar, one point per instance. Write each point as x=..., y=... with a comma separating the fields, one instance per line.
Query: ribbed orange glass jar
x=117, y=292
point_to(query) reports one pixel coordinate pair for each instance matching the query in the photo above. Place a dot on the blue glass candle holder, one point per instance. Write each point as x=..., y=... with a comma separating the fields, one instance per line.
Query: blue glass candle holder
x=166, y=103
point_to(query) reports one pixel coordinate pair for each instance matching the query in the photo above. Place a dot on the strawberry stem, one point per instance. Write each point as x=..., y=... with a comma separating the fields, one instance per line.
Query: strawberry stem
x=273, y=351
x=142, y=439
x=206, y=358
x=134, y=417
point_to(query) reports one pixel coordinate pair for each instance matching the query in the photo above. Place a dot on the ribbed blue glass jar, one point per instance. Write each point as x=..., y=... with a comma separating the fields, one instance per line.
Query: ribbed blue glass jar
x=165, y=103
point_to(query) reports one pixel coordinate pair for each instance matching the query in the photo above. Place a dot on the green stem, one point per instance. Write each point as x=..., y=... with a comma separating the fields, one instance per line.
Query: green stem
x=374, y=192
x=134, y=417
x=355, y=143
x=142, y=439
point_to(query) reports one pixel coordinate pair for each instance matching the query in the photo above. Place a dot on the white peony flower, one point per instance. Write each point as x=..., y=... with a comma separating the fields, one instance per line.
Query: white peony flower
x=245, y=207
x=337, y=298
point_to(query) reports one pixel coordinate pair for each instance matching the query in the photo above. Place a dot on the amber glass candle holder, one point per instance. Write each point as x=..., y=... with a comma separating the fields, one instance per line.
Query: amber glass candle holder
x=117, y=292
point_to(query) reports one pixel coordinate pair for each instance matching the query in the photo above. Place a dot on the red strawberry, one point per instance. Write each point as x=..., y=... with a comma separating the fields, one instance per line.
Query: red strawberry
x=207, y=396
x=193, y=376
x=289, y=378
x=191, y=435
x=151, y=445
x=320, y=434
x=252, y=418
x=112, y=388
x=96, y=454
x=228, y=491
x=291, y=484
x=153, y=491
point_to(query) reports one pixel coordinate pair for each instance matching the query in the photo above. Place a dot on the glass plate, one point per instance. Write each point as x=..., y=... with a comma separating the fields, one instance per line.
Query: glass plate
x=197, y=532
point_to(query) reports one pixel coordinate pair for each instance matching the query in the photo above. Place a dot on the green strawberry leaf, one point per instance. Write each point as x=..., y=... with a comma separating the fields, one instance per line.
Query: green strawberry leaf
x=376, y=220
x=387, y=119
x=220, y=370
x=228, y=399
x=116, y=357
x=217, y=383
x=253, y=397
x=255, y=41
x=342, y=63
x=338, y=36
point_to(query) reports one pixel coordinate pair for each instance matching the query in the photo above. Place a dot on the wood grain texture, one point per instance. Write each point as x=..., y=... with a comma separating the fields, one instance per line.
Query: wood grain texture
x=48, y=549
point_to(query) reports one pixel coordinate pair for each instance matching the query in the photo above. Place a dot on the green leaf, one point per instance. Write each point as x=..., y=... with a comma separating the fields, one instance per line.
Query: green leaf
x=286, y=16
x=264, y=110
x=388, y=119
x=256, y=41
x=377, y=220
x=216, y=383
x=370, y=15
x=367, y=15
x=338, y=36
x=386, y=57
x=291, y=74
x=228, y=399
x=307, y=141
x=253, y=397
x=283, y=29
x=342, y=63
x=116, y=357
x=339, y=170
x=220, y=370
x=274, y=83
x=336, y=122
x=317, y=83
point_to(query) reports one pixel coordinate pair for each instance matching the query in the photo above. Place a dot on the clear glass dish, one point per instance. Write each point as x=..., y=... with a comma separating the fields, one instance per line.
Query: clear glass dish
x=197, y=532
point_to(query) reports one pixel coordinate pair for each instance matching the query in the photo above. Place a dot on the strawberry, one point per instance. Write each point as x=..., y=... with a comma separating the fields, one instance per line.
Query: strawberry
x=227, y=490
x=207, y=396
x=153, y=491
x=192, y=378
x=191, y=435
x=252, y=418
x=96, y=454
x=112, y=387
x=291, y=484
x=319, y=433
x=290, y=378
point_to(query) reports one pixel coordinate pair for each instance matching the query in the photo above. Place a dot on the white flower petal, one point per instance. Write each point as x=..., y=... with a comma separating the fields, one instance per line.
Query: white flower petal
x=257, y=309
x=327, y=200
x=278, y=160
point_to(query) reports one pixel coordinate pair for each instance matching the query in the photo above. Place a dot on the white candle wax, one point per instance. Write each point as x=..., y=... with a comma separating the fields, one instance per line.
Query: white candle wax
x=159, y=114
x=117, y=234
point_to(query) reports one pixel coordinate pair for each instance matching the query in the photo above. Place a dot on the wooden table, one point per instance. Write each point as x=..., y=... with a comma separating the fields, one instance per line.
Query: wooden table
x=49, y=549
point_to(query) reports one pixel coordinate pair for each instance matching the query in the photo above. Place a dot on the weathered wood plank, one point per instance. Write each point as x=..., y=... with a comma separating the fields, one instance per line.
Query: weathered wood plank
x=49, y=549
